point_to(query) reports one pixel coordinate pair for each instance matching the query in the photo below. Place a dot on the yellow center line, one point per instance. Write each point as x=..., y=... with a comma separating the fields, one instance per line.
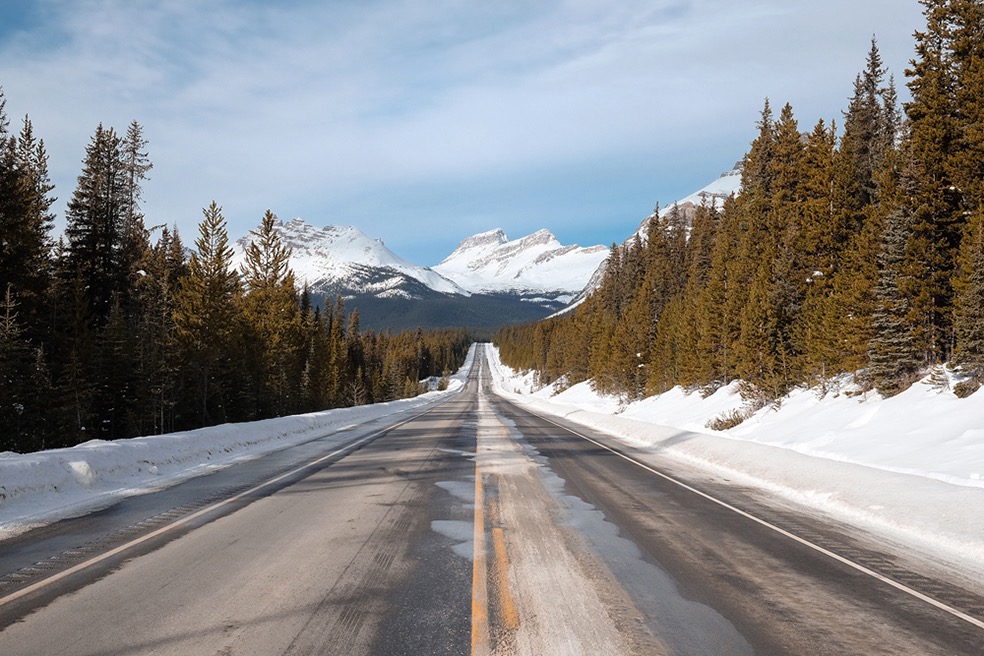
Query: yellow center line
x=480, y=596
x=510, y=617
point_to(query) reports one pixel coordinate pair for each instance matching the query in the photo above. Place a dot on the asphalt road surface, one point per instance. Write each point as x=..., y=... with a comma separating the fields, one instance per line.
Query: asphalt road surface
x=473, y=527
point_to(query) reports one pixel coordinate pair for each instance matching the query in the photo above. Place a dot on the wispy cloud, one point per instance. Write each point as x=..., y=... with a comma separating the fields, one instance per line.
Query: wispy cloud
x=382, y=112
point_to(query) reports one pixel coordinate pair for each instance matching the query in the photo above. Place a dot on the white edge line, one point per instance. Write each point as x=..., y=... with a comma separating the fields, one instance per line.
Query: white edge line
x=861, y=568
x=54, y=578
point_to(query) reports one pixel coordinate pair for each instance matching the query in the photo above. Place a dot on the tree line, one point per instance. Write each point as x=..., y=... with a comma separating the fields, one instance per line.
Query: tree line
x=115, y=331
x=849, y=250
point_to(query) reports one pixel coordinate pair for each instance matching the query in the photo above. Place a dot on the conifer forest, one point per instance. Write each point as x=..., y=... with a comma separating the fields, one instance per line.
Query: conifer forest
x=114, y=331
x=854, y=248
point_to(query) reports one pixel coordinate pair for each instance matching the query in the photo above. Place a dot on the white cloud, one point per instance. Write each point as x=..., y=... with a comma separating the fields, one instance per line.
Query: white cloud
x=286, y=105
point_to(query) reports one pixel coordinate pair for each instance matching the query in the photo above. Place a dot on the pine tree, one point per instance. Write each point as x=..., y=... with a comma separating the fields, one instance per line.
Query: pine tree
x=338, y=365
x=15, y=393
x=25, y=222
x=163, y=266
x=695, y=367
x=893, y=352
x=968, y=352
x=271, y=317
x=765, y=352
x=95, y=224
x=819, y=246
x=966, y=164
x=135, y=164
x=206, y=317
x=74, y=368
x=315, y=385
x=871, y=125
x=25, y=387
x=933, y=200
x=718, y=305
x=116, y=404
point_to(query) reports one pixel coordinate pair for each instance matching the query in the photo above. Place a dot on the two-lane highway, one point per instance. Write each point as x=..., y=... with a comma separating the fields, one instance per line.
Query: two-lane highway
x=473, y=528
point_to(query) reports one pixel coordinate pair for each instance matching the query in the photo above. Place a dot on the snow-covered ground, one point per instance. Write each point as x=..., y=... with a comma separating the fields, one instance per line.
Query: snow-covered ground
x=909, y=468
x=38, y=488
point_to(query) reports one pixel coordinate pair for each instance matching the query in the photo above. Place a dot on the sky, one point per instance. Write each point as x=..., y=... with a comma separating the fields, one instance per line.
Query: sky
x=423, y=122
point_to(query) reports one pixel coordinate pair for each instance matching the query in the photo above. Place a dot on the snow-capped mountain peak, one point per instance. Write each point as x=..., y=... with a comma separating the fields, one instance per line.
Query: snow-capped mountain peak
x=492, y=238
x=535, y=264
x=713, y=193
x=344, y=259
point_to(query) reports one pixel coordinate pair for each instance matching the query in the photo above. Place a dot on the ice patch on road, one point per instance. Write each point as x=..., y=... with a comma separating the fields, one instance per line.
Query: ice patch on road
x=461, y=532
x=459, y=489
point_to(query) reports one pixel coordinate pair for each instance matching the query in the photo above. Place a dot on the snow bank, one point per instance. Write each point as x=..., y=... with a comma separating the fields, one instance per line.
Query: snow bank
x=909, y=467
x=43, y=486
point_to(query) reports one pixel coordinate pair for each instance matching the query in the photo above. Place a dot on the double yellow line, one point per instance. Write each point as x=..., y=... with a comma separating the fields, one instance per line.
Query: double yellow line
x=480, y=632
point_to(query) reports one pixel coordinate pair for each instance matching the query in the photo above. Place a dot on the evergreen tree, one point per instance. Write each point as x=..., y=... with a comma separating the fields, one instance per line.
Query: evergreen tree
x=695, y=367
x=116, y=375
x=206, y=317
x=163, y=267
x=933, y=200
x=966, y=164
x=25, y=222
x=74, y=370
x=16, y=406
x=871, y=125
x=135, y=164
x=893, y=352
x=764, y=350
x=819, y=248
x=272, y=319
x=968, y=352
x=95, y=224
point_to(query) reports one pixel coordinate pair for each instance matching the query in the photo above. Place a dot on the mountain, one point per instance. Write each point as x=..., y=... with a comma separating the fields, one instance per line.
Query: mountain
x=716, y=192
x=343, y=260
x=487, y=282
x=535, y=268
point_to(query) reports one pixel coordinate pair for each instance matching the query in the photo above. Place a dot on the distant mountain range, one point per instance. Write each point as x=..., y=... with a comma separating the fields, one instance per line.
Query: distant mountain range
x=488, y=281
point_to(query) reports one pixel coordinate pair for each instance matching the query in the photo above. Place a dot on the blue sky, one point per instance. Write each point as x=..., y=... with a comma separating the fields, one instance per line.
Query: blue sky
x=424, y=122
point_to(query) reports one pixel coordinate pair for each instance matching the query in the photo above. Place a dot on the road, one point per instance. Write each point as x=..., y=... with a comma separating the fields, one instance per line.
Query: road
x=474, y=527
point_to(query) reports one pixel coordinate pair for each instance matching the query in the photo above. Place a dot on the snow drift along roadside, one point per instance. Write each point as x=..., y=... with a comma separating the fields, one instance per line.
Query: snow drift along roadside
x=907, y=467
x=37, y=488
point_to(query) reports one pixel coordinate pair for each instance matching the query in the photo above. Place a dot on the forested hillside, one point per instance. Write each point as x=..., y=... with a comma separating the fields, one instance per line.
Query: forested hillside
x=852, y=248
x=114, y=332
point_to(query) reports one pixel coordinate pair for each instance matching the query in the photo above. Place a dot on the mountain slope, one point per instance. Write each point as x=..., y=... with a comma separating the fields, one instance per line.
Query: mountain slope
x=716, y=192
x=533, y=267
x=343, y=260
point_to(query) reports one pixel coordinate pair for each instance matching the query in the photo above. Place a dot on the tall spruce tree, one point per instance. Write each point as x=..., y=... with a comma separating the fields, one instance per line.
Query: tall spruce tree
x=206, y=318
x=135, y=164
x=968, y=352
x=933, y=200
x=966, y=164
x=95, y=224
x=271, y=317
x=16, y=406
x=893, y=351
x=25, y=222
x=157, y=362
